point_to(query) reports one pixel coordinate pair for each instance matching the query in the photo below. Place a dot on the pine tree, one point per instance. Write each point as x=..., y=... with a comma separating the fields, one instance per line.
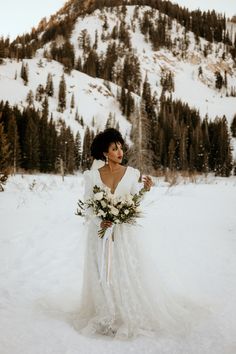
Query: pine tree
x=31, y=141
x=225, y=149
x=131, y=74
x=4, y=157
x=4, y=150
x=70, y=151
x=72, y=102
x=24, y=73
x=219, y=80
x=171, y=154
x=95, y=46
x=77, y=118
x=79, y=65
x=49, y=89
x=117, y=127
x=141, y=153
x=66, y=149
x=111, y=121
x=109, y=62
x=67, y=56
x=114, y=33
x=126, y=102
x=39, y=93
x=86, y=156
x=198, y=147
x=167, y=81
x=206, y=142
x=14, y=146
x=82, y=121
x=124, y=35
x=44, y=138
x=91, y=64
x=84, y=41
x=183, y=157
x=62, y=95
x=30, y=98
x=148, y=100
x=129, y=104
x=220, y=158
x=122, y=100
x=78, y=156
x=233, y=127
x=225, y=82
x=53, y=142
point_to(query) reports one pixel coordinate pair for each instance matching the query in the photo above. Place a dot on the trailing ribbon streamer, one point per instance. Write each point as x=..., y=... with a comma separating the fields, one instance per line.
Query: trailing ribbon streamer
x=106, y=258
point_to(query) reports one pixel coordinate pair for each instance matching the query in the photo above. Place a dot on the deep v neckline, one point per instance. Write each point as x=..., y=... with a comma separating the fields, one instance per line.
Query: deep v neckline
x=117, y=183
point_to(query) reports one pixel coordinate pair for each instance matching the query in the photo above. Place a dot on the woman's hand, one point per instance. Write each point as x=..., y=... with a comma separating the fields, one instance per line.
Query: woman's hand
x=105, y=224
x=147, y=182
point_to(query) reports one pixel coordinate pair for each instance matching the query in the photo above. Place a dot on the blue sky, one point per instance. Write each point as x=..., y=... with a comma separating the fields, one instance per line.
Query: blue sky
x=19, y=16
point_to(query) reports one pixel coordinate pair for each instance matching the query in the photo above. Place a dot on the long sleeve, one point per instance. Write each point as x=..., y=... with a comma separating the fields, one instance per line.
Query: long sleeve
x=136, y=186
x=88, y=193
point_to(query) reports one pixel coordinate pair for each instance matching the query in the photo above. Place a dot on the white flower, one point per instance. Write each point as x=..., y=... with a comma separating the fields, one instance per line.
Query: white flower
x=114, y=210
x=98, y=196
x=103, y=204
x=109, y=196
x=115, y=200
x=126, y=211
x=101, y=213
x=129, y=199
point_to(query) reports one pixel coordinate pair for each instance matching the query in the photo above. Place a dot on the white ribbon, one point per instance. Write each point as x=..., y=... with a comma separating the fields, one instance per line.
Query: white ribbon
x=106, y=257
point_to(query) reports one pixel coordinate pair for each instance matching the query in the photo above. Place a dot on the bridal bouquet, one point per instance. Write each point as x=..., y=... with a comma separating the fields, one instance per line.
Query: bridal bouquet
x=115, y=209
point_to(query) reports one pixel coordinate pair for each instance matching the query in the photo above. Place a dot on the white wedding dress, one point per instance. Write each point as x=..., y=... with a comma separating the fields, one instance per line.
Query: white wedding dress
x=132, y=304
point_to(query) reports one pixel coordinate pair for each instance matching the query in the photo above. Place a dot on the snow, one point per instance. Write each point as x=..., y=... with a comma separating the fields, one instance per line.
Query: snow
x=190, y=234
x=201, y=96
x=92, y=97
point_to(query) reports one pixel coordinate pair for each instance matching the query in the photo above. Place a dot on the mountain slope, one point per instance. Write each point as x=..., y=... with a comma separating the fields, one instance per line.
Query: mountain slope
x=193, y=63
x=92, y=98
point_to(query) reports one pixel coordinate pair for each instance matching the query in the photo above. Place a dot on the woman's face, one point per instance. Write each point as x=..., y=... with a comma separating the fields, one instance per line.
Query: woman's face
x=115, y=152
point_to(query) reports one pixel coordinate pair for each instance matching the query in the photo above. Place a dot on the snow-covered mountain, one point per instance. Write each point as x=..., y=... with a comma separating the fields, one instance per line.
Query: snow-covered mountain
x=193, y=63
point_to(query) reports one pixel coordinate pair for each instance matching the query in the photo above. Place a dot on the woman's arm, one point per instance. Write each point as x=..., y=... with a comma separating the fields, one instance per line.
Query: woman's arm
x=88, y=194
x=136, y=186
x=147, y=182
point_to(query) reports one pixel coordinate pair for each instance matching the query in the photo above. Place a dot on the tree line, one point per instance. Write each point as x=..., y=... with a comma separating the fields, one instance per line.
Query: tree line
x=165, y=134
x=31, y=141
x=172, y=135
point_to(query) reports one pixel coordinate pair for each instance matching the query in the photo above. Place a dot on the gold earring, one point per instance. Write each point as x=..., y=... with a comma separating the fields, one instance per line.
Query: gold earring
x=107, y=160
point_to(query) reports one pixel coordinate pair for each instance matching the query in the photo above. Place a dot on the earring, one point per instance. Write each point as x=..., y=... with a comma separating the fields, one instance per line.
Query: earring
x=106, y=159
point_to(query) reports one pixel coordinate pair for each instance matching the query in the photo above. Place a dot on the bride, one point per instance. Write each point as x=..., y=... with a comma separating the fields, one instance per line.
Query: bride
x=130, y=304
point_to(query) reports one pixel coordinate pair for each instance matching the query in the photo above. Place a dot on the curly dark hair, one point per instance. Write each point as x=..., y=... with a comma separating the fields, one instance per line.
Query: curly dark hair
x=103, y=140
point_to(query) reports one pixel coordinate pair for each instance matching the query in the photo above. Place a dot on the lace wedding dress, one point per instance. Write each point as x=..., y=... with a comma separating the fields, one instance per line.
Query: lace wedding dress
x=131, y=304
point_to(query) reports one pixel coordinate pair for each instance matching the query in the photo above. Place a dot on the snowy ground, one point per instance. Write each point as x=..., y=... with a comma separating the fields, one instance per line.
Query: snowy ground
x=191, y=230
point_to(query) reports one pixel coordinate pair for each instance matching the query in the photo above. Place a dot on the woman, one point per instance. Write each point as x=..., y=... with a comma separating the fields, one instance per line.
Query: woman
x=128, y=305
